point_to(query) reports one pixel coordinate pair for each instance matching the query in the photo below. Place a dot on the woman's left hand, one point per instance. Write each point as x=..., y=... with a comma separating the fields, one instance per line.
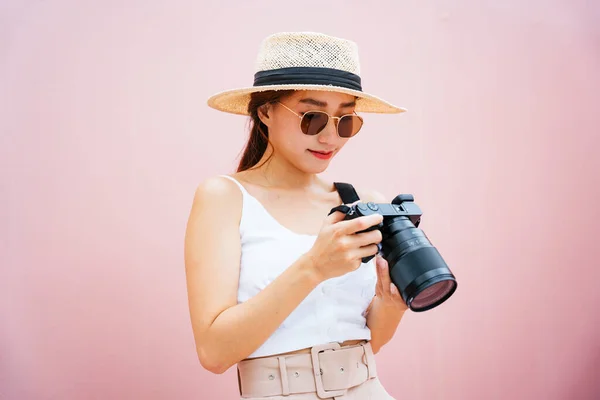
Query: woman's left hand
x=387, y=293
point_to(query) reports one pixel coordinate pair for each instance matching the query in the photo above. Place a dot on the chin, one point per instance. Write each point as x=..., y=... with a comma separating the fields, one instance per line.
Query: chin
x=315, y=169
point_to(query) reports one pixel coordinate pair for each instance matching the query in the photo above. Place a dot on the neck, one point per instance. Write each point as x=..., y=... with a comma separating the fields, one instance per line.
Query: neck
x=281, y=173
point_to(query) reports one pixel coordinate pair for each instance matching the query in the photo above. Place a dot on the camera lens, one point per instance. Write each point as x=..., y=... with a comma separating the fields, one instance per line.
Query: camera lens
x=416, y=267
x=433, y=294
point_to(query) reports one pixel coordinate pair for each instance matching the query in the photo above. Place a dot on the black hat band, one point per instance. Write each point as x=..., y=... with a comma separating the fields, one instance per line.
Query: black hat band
x=308, y=76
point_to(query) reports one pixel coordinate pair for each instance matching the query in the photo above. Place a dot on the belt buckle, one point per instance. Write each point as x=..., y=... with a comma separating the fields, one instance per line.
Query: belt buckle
x=314, y=353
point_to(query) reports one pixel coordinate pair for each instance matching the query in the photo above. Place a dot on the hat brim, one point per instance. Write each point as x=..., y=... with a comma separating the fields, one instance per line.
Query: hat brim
x=236, y=101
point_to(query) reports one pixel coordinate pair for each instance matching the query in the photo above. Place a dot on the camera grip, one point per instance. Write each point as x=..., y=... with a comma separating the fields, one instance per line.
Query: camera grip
x=351, y=214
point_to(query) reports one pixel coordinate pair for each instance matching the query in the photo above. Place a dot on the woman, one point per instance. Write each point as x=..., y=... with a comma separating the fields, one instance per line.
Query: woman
x=276, y=283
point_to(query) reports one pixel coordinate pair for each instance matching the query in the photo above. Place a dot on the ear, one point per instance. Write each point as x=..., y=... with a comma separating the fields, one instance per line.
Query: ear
x=264, y=114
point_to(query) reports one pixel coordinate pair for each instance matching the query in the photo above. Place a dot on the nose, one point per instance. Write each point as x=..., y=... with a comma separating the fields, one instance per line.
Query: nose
x=329, y=133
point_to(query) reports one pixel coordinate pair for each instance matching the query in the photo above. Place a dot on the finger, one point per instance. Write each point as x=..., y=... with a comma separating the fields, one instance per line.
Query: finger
x=360, y=223
x=382, y=266
x=397, y=296
x=365, y=238
x=384, y=274
x=379, y=285
x=365, y=251
x=334, y=217
x=338, y=216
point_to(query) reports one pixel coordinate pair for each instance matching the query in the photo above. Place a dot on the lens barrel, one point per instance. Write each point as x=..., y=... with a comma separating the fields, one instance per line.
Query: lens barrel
x=416, y=267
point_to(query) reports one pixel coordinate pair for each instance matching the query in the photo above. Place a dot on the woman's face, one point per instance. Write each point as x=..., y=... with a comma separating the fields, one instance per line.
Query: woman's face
x=309, y=153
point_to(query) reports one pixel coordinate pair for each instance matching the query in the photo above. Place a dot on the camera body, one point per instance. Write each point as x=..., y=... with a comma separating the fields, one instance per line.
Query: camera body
x=416, y=267
x=403, y=205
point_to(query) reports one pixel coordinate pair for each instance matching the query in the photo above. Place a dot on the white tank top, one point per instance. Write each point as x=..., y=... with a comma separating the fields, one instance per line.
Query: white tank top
x=333, y=312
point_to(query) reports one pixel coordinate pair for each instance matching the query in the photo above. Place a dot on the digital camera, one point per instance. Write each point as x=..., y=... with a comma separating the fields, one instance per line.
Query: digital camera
x=416, y=267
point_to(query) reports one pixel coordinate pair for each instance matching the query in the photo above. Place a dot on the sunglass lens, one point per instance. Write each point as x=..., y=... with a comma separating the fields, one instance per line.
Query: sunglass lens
x=313, y=122
x=349, y=125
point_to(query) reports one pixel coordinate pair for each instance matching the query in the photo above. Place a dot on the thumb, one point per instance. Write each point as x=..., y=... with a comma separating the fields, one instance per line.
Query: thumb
x=338, y=215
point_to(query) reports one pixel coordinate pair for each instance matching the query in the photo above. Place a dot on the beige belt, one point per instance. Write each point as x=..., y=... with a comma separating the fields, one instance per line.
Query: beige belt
x=329, y=370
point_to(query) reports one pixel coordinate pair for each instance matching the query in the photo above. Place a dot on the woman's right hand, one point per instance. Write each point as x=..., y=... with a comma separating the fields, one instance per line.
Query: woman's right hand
x=338, y=249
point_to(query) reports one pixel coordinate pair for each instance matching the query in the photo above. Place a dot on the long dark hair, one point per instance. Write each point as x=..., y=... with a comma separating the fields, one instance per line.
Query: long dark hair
x=258, y=139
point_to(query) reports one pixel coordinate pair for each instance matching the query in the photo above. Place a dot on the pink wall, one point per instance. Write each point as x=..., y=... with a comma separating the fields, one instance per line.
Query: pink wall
x=105, y=135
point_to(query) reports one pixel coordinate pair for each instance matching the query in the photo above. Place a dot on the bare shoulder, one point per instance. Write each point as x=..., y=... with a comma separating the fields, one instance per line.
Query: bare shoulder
x=216, y=189
x=217, y=202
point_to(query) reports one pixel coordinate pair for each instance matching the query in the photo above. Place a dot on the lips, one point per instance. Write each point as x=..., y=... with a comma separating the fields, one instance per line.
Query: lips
x=323, y=155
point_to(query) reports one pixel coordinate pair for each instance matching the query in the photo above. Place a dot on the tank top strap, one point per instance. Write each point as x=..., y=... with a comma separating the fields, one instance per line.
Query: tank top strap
x=242, y=188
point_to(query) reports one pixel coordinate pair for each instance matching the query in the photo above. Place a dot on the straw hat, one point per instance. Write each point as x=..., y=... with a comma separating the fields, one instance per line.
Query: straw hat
x=304, y=61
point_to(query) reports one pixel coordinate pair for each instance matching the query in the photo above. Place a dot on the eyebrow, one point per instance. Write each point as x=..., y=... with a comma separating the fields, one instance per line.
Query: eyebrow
x=319, y=103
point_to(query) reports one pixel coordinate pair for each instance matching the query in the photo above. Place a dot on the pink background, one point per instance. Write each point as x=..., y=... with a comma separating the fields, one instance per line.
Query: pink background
x=105, y=135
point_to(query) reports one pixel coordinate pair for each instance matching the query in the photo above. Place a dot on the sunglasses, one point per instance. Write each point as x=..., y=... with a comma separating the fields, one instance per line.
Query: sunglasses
x=313, y=122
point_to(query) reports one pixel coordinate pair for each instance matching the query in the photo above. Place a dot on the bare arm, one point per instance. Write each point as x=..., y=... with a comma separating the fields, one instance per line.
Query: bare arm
x=383, y=320
x=224, y=331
